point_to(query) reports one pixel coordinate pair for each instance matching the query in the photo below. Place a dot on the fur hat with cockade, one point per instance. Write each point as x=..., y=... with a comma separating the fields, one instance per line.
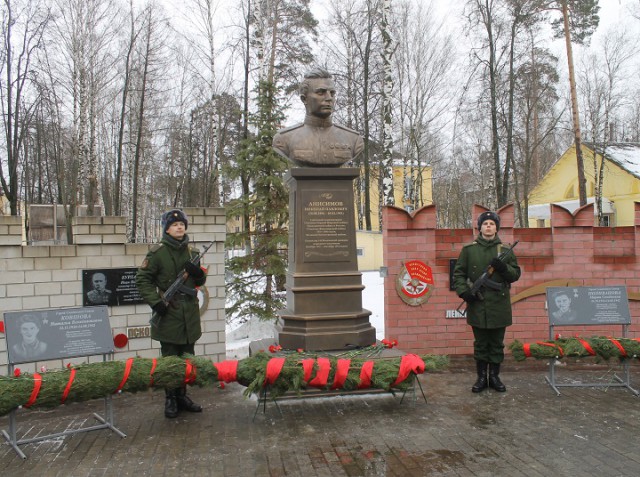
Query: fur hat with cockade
x=171, y=216
x=489, y=215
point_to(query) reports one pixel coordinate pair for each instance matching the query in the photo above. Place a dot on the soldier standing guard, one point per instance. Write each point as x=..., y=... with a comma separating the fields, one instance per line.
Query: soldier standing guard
x=317, y=142
x=179, y=326
x=489, y=312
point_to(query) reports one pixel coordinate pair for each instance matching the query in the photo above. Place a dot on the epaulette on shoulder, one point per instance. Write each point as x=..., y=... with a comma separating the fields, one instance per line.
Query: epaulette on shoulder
x=155, y=247
x=340, y=126
x=470, y=244
x=290, y=128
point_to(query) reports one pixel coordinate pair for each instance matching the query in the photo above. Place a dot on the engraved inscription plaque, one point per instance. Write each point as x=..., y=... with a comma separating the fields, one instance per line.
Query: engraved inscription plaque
x=325, y=228
x=42, y=335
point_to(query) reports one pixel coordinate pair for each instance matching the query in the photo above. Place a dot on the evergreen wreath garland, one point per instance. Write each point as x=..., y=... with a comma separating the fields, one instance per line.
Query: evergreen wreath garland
x=600, y=347
x=291, y=372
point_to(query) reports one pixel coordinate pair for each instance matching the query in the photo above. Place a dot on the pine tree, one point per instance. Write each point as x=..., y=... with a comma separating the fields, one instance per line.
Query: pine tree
x=256, y=284
x=579, y=21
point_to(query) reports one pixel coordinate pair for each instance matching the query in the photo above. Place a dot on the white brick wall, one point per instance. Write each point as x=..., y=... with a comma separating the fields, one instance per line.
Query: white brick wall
x=41, y=277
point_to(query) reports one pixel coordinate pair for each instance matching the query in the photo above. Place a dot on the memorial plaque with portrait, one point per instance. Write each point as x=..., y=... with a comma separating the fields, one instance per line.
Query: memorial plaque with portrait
x=57, y=333
x=110, y=286
x=588, y=305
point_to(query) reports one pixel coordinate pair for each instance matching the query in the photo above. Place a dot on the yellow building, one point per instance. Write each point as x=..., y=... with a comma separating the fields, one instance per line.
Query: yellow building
x=369, y=243
x=408, y=183
x=621, y=184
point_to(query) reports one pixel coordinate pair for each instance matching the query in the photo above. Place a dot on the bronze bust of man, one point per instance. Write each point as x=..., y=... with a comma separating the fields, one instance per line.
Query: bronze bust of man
x=317, y=142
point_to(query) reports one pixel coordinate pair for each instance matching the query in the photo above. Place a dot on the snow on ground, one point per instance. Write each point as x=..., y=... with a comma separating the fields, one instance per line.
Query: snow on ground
x=240, y=336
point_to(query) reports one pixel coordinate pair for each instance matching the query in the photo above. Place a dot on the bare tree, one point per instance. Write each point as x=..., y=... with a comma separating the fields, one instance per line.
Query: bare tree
x=604, y=78
x=122, y=118
x=149, y=62
x=536, y=118
x=355, y=54
x=579, y=21
x=23, y=25
x=426, y=89
x=84, y=31
x=387, y=117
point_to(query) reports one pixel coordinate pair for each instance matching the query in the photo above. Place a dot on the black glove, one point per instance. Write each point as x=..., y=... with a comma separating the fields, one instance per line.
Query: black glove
x=468, y=296
x=160, y=308
x=194, y=270
x=498, y=265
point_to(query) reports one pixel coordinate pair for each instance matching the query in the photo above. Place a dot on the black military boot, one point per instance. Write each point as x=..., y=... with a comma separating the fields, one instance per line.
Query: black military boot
x=185, y=403
x=170, y=404
x=494, y=378
x=481, y=383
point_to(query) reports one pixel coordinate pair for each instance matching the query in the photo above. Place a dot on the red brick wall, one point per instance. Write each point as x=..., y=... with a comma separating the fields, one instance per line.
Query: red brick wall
x=572, y=252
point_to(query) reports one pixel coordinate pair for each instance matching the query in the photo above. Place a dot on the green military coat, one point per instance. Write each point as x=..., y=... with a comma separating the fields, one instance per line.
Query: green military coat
x=495, y=310
x=160, y=268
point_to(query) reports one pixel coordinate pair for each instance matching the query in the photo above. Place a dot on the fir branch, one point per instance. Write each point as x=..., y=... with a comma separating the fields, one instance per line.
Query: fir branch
x=96, y=380
x=600, y=347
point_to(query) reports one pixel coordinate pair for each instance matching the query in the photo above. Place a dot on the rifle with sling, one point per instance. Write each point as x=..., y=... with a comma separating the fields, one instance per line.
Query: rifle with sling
x=485, y=279
x=177, y=286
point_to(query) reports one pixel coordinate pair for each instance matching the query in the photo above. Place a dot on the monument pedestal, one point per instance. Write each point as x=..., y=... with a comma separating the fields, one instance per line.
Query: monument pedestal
x=324, y=287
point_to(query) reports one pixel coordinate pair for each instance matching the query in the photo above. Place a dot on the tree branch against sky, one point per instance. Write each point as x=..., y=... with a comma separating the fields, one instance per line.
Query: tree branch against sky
x=199, y=94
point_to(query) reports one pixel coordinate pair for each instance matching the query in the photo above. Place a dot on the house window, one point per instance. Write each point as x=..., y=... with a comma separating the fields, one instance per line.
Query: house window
x=607, y=220
x=360, y=252
x=237, y=230
x=540, y=223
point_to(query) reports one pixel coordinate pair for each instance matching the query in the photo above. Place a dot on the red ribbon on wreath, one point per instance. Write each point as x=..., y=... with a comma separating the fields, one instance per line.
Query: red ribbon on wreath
x=410, y=363
x=154, y=363
x=324, y=366
x=307, y=367
x=227, y=371
x=189, y=372
x=623, y=353
x=274, y=367
x=37, y=383
x=342, y=370
x=552, y=345
x=72, y=376
x=365, y=375
x=127, y=371
x=586, y=346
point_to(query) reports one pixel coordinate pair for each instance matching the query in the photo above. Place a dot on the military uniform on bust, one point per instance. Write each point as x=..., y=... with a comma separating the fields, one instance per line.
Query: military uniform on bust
x=99, y=297
x=488, y=314
x=317, y=142
x=179, y=326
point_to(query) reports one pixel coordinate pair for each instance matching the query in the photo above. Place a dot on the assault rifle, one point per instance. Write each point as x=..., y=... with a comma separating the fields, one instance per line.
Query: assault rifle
x=176, y=286
x=485, y=279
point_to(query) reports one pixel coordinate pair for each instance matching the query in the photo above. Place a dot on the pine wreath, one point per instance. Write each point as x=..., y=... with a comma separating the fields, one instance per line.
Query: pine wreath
x=279, y=374
x=600, y=347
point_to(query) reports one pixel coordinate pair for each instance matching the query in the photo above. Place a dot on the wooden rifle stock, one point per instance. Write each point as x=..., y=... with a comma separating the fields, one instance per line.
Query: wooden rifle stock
x=168, y=294
x=486, y=275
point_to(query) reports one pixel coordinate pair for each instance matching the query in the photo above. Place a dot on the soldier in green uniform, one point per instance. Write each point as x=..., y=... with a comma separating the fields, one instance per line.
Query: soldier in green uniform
x=489, y=311
x=179, y=326
x=317, y=142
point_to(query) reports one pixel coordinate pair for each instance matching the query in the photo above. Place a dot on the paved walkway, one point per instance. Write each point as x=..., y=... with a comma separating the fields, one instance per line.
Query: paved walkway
x=527, y=431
